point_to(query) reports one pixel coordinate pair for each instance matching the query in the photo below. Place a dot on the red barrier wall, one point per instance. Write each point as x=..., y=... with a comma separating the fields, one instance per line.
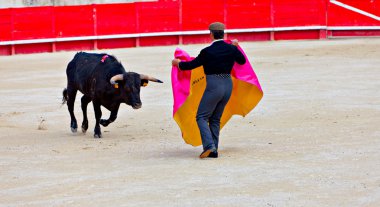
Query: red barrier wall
x=169, y=22
x=367, y=17
x=6, y=26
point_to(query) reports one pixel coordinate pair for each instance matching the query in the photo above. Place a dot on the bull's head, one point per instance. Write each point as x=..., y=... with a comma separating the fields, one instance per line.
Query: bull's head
x=130, y=84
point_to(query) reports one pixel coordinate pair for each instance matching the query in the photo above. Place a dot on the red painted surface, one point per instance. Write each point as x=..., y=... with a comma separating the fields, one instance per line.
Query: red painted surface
x=250, y=36
x=299, y=13
x=241, y=14
x=195, y=39
x=116, y=43
x=158, y=41
x=370, y=6
x=6, y=24
x=32, y=23
x=116, y=19
x=339, y=16
x=75, y=45
x=297, y=35
x=198, y=14
x=5, y=50
x=361, y=33
x=49, y=22
x=160, y=16
x=73, y=21
x=33, y=48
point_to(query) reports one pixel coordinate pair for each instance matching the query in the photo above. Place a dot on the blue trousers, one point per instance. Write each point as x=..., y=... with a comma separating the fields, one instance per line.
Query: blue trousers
x=217, y=93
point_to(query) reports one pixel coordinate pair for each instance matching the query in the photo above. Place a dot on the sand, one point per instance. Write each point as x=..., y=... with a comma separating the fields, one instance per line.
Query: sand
x=313, y=140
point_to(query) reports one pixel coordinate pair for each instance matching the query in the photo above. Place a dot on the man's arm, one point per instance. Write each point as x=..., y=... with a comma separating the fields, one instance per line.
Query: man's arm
x=190, y=65
x=198, y=61
x=239, y=57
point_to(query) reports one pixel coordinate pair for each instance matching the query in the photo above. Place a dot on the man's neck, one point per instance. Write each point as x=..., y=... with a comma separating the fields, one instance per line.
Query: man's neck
x=216, y=40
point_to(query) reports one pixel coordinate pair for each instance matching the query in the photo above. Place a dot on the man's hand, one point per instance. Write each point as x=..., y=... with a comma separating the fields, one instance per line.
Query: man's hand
x=175, y=62
x=235, y=42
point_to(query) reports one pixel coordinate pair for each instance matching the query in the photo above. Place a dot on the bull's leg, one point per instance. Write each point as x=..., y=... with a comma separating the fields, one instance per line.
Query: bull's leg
x=98, y=115
x=112, y=118
x=71, y=94
x=85, y=100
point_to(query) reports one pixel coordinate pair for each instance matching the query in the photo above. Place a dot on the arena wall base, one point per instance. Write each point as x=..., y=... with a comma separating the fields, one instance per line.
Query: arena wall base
x=183, y=39
x=5, y=50
x=354, y=33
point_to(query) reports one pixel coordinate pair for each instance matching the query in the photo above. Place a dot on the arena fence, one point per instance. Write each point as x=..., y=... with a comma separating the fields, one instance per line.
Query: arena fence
x=170, y=22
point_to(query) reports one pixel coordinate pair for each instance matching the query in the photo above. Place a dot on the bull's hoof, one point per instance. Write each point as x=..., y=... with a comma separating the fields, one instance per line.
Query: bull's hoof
x=104, y=122
x=97, y=132
x=74, y=127
x=97, y=136
x=84, y=126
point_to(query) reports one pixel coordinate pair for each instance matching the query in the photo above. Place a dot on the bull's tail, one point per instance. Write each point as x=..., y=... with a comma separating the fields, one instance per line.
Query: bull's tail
x=65, y=97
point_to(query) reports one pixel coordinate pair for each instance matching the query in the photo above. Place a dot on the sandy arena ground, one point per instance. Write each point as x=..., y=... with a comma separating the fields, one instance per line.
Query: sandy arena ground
x=313, y=140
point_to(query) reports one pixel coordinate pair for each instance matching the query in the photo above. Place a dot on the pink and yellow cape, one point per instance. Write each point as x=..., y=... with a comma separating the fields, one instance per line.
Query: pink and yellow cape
x=188, y=88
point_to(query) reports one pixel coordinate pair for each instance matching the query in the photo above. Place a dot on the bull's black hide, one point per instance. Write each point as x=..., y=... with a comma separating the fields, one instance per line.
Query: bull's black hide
x=103, y=80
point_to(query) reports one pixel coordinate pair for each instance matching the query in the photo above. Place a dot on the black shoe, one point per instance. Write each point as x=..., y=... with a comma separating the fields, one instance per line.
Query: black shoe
x=213, y=154
x=206, y=153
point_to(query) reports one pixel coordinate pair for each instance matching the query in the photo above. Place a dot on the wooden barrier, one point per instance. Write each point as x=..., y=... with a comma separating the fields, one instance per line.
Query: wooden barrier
x=170, y=22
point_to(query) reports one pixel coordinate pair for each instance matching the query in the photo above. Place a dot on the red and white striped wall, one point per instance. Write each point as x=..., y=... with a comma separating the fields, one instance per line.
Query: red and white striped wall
x=171, y=22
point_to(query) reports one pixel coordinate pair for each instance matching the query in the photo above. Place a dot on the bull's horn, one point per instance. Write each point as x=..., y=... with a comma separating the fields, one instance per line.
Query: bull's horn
x=146, y=77
x=116, y=78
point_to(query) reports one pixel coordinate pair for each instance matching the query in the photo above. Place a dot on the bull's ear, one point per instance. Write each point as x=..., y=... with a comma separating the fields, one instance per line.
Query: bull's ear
x=144, y=82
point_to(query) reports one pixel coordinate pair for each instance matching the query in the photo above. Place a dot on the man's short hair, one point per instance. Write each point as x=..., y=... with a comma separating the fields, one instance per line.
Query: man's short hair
x=216, y=26
x=218, y=34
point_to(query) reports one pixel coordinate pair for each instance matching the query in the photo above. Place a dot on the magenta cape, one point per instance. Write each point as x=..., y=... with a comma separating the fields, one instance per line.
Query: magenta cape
x=188, y=88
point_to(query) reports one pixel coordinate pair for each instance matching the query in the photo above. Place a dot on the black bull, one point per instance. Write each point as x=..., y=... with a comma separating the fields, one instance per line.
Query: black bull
x=103, y=80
